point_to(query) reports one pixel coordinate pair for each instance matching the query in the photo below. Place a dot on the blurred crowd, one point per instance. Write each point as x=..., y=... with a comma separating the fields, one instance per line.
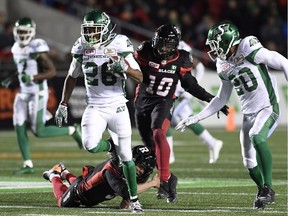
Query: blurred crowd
x=266, y=19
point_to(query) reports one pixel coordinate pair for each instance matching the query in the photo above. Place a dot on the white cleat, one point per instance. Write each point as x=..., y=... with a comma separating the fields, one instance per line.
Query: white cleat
x=214, y=151
x=136, y=207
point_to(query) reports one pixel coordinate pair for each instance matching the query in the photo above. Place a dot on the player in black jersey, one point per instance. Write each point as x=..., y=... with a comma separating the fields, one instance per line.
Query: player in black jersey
x=162, y=65
x=103, y=182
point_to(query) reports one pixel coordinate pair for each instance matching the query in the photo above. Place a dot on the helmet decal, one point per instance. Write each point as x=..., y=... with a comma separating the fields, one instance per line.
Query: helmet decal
x=221, y=37
x=144, y=157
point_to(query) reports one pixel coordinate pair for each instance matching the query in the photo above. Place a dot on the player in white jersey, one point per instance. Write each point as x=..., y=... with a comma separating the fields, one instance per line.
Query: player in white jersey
x=34, y=67
x=105, y=59
x=243, y=64
x=184, y=109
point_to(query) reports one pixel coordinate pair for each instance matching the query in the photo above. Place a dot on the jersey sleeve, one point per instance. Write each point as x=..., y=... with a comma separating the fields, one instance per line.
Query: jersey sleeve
x=39, y=45
x=186, y=62
x=250, y=44
x=76, y=63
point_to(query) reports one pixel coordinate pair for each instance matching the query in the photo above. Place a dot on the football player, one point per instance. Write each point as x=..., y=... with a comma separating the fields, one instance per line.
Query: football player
x=162, y=65
x=103, y=182
x=184, y=108
x=243, y=64
x=34, y=68
x=106, y=60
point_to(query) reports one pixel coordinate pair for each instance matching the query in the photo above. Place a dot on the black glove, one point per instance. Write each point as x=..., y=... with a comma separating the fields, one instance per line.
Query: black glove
x=224, y=110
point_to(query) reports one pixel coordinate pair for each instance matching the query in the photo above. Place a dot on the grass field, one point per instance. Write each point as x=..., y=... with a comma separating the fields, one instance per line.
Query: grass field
x=220, y=189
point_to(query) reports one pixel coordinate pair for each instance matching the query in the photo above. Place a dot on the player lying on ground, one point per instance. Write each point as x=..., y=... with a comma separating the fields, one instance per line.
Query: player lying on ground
x=103, y=182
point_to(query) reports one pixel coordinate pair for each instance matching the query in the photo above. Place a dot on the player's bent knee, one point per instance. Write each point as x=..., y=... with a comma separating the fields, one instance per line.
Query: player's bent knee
x=159, y=134
x=258, y=139
x=249, y=163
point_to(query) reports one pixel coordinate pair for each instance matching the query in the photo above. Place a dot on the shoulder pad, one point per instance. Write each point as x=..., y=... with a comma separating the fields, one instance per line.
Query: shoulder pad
x=78, y=47
x=123, y=44
x=249, y=44
x=186, y=56
x=144, y=45
x=39, y=45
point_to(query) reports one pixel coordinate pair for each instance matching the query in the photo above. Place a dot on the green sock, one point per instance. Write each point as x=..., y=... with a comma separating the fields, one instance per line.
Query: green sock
x=102, y=146
x=196, y=128
x=129, y=171
x=51, y=131
x=256, y=176
x=264, y=157
x=23, y=141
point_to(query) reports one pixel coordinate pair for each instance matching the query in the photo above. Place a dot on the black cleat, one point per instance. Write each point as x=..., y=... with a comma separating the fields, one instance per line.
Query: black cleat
x=163, y=190
x=172, y=194
x=264, y=196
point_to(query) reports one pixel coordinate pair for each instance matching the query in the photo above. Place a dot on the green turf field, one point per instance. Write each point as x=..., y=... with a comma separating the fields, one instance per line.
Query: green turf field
x=220, y=189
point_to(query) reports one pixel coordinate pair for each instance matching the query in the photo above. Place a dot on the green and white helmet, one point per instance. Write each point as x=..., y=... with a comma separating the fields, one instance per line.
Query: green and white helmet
x=221, y=37
x=96, y=27
x=24, y=31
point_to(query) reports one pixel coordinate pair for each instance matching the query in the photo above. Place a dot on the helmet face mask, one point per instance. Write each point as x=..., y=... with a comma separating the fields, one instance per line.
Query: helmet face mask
x=166, y=41
x=221, y=37
x=144, y=158
x=96, y=27
x=24, y=31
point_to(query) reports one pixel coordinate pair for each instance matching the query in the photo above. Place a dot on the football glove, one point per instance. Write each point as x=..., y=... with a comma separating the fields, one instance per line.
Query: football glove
x=26, y=78
x=117, y=64
x=224, y=110
x=186, y=122
x=61, y=113
x=6, y=82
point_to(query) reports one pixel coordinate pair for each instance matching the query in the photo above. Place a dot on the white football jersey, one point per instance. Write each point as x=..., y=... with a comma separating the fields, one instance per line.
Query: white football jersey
x=254, y=85
x=102, y=87
x=25, y=59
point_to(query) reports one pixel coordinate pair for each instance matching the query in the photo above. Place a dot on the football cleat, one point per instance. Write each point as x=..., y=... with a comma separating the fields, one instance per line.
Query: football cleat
x=56, y=170
x=264, y=196
x=214, y=151
x=24, y=170
x=77, y=135
x=162, y=192
x=136, y=207
x=172, y=194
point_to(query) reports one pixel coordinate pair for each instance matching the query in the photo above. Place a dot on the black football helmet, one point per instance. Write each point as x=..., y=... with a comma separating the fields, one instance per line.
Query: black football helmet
x=166, y=40
x=144, y=157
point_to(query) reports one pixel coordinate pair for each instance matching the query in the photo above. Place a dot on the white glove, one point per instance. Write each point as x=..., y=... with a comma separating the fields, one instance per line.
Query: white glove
x=117, y=64
x=62, y=112
x=186, y=122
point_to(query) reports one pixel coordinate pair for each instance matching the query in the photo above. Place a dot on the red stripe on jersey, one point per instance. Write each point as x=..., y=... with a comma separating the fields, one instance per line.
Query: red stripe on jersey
x=183, y=71
x=165, y=125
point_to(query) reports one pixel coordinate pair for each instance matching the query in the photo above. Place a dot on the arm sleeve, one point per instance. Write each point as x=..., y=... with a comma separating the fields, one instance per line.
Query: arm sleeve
x=190, y=84
x=272, y=59
x=117, y=183
x=218, y=101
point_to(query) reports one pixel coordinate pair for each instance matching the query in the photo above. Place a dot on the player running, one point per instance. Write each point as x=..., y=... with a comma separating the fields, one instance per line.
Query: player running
x=243, y=64
x=162, y=65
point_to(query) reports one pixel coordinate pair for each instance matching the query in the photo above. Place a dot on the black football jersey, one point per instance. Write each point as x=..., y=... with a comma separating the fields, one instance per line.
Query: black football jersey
x=160, y=78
